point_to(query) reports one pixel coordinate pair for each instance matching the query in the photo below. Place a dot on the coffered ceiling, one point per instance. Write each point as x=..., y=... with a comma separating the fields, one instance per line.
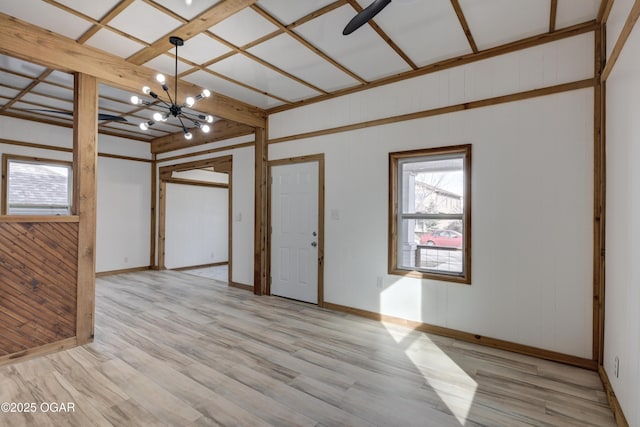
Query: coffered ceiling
x=269, y=54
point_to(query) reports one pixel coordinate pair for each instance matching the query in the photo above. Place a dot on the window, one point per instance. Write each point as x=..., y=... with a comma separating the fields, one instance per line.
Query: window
x=430, y=213
x=36, y=187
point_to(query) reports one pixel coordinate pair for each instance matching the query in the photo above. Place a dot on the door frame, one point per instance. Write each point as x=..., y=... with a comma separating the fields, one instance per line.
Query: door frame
x=319, y=158
x=222, y=164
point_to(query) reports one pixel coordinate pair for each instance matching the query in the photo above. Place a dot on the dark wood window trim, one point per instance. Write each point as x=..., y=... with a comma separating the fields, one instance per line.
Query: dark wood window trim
x=394, y=268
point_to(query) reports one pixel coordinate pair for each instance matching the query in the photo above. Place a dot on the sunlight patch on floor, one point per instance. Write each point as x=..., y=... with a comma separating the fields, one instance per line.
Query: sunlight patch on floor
x=453, y=385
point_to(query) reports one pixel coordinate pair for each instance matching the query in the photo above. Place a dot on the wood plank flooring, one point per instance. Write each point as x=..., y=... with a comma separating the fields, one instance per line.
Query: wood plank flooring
x=179, y=350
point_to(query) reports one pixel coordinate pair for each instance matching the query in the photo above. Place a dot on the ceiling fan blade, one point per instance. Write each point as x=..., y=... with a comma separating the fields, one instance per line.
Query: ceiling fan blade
x=365, y=15
x=111, y=117
x=69, y=113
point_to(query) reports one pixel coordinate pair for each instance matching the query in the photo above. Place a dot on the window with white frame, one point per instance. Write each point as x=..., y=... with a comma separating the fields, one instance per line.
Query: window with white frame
x=36, y=186
x=430, y=213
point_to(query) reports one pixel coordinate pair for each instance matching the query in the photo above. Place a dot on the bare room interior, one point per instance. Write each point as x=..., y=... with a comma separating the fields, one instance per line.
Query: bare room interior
x=319, y=212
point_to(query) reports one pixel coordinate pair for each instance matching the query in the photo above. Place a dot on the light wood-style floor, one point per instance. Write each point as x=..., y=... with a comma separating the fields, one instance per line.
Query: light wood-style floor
x=174, y=349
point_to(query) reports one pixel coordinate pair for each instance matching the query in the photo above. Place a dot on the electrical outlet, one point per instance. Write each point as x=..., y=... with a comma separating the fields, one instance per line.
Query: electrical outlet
x=616, y=367
x=379, y=283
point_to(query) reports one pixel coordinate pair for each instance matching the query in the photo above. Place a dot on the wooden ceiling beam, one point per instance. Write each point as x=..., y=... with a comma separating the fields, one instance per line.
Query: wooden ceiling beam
x=603, y=12
x=553, y=15
x=221, y=129
x=465, y=26
x=197, y=25
x=34, y=44
x=384, y=36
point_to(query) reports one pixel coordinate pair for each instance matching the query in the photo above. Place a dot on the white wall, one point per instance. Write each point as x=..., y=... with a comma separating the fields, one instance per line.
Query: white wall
x=242, y=187
x=124, y=214
x=124, y=197
x=622, y=309
x=532, y=191
x=197, y=227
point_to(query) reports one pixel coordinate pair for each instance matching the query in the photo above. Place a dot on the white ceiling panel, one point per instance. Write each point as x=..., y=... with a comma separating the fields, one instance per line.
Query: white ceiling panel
x=122, y=107
x=21, y=67
x=14, y=81
x=247, y=71
x=44, y=102
x=95, y=9
x=243, y=27
x=144, y=22
x=22, y=108
x=227, y=88
x=571, y=12
x=287, y=11
x=362, y=52
x=166, y=64
x=426, y=31
x=187, y=11
x=201, y=49
x=6, y=92
x=114, y=93
x=114, y=43
x=53, y=90
x=60, y=77
x=47, y=16
x=291, y=56
x=496, y=22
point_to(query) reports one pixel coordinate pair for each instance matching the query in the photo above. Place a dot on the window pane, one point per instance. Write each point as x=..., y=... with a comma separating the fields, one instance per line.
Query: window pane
x=433, y=186
x=38, y=189
x=431, y=245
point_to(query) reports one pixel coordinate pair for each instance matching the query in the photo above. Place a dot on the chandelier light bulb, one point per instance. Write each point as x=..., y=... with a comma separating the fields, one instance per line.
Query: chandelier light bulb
x=135, y=100
x=209, y=118
x=188, y=135
x=157, y=116
x=206, y=93
x=205, y=128
x=146, y=90
x=189, y=101
x=160, y=78
x=144, y=126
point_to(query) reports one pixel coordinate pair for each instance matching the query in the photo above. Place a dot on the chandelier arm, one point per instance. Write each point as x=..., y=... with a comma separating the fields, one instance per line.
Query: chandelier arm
x=189, y=115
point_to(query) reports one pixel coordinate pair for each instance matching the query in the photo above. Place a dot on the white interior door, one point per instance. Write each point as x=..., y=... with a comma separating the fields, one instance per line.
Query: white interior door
x=294, y=231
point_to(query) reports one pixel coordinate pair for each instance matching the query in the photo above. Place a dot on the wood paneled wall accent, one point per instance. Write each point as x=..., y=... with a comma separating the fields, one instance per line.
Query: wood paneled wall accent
x=38, y=273
x=85, y=188
x=260, y=212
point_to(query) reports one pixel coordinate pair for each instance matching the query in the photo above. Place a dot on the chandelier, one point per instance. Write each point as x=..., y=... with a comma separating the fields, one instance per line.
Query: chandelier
x=183, y=112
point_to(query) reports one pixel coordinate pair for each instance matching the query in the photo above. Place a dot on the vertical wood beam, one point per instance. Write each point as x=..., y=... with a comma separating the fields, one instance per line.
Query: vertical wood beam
x=260, y=214
x=154, y=200
x=599, y=199
x=162, y=221
x=85, y=165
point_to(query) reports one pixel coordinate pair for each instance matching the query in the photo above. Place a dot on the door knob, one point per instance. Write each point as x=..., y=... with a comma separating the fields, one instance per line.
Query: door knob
x=314, y=244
